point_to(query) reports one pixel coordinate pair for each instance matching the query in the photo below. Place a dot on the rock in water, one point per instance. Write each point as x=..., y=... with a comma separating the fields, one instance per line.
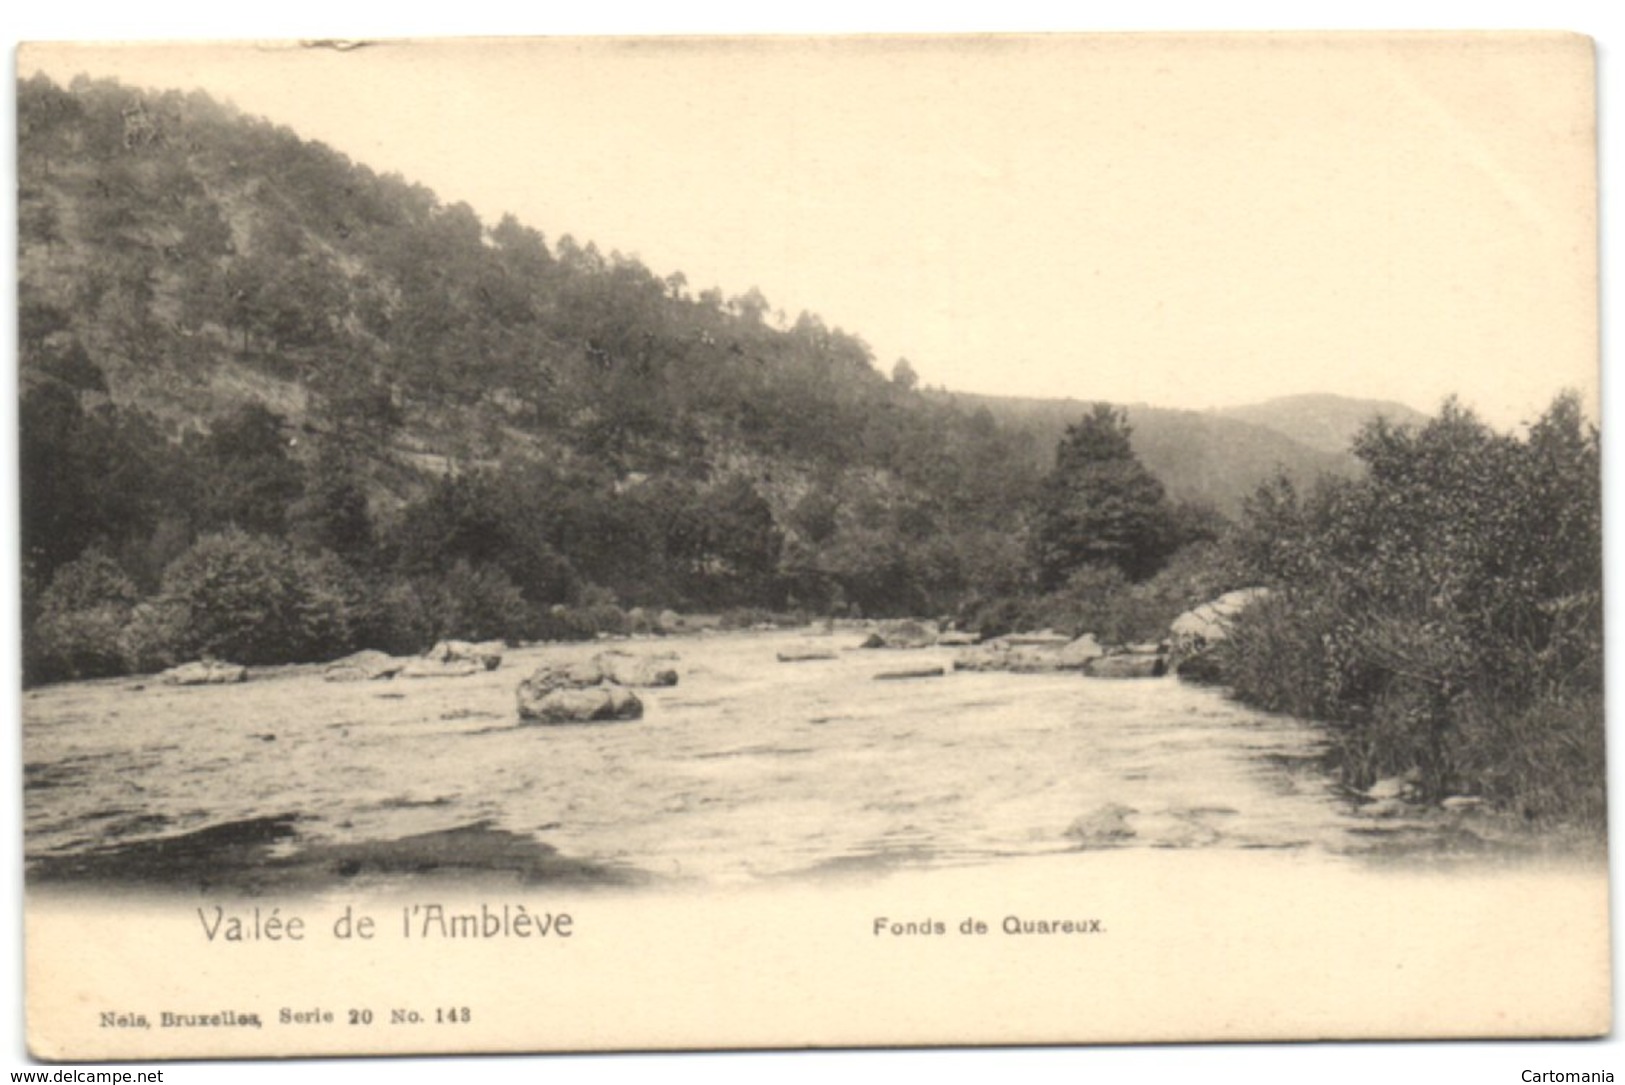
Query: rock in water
x=639, y=671
x=1390, y=788
x=1025, y=655
x=551, y=676
x=804, y=655
x=1127, y=665
x=367, y=665
x=1202, y=670
x=204, y=672
x=581, y=705
x=430, y=668
x=1028, y=659
x=1383, y=808
x=1044, y=638
x=1196, y=631
x=993, y=655
x=1076, y=654
x=590, y=690
x=1106, y=824
x=958, y=638
x=903, y=633
x=909, y=633
x=487, y=654
x=916, y=672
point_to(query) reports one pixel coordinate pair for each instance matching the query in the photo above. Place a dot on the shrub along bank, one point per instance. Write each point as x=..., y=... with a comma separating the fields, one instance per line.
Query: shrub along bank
x=1442, y=614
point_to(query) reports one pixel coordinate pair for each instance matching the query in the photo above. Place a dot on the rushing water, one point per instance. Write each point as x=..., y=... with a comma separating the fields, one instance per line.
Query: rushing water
x=748, y=769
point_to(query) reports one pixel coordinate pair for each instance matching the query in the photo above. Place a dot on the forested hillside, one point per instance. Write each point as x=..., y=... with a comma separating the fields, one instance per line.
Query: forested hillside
x=226, y=328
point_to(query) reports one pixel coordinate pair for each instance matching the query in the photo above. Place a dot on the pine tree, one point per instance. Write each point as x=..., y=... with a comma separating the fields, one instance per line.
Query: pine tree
x=1100, y=506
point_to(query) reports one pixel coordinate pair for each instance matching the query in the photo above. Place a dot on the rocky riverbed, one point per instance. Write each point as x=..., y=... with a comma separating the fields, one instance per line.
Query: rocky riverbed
x=776, y=756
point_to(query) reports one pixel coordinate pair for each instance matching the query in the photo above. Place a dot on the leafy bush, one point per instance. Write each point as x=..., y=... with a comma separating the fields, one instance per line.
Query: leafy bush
x=1544, y=763
x=396, y=618
x=251, y=599
x=89, y=581
x=482, y=522
x=1444, y=612
x=77, y=644
x=83, y=613
x=327, y=607
x=151, y=639
x=603, y=618
x=475, y=602
x=1274, y=656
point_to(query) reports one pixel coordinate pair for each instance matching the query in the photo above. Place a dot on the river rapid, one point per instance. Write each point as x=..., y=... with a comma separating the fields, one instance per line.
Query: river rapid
x=748, y=770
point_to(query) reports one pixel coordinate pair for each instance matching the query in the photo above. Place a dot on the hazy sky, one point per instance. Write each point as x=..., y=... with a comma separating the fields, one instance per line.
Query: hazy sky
x=1179, y=221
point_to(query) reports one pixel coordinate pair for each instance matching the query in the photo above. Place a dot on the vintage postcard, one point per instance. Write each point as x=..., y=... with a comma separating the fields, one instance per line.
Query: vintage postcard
x=618, y=544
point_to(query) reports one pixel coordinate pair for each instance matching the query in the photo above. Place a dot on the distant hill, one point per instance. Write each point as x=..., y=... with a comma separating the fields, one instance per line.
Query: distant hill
x=1321, y=421
x=1199, y=456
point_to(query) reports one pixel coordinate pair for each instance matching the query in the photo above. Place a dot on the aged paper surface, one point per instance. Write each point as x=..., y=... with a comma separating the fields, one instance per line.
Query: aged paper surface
x=1482, y=145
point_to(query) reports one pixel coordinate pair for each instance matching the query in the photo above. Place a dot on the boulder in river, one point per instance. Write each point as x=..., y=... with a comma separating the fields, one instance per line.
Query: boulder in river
x=1106, y=824
x=804, y=655
x=548, y=677
x=1127, y=665
x=1406, y=787
x=487, y=654
x=1029, y=659
x=1029, y=656
x=581, y=705
x=364, y=666
x=958, y=638
x=434, y=668
x=992, y=655
x=1202, y=669
x=204, y=672
x=913, y=672
x=903, y=633
x=593, y=689
x=630, y=670
x=1196, y=631
x=1044, y=638
x=1076, y=653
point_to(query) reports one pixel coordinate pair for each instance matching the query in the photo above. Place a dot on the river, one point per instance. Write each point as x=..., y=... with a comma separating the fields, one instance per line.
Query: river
x=748, y=770
x=776, y=854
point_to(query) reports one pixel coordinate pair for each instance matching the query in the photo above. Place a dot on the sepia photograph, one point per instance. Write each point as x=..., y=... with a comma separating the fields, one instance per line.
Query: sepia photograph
x=692, y=543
